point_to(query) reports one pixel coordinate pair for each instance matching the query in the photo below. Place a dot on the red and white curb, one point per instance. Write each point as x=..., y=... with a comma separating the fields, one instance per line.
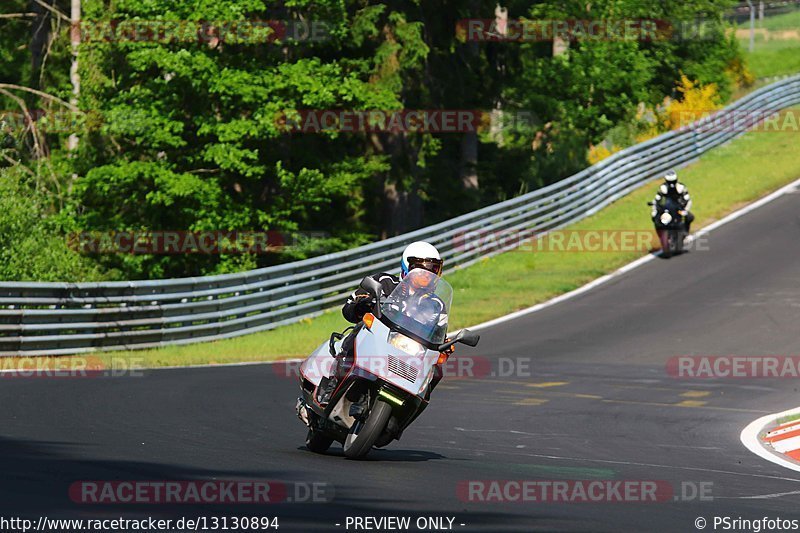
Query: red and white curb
x=778, y=443
x=785, y=439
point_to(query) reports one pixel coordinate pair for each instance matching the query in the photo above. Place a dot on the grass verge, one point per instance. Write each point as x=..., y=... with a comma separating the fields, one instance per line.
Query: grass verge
x=722, y=181
x=787, y=419
x=777, y=45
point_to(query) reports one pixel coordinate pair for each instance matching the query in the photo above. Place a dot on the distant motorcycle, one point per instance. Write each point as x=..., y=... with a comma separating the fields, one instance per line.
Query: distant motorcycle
x=670, y=223
x=395, y=357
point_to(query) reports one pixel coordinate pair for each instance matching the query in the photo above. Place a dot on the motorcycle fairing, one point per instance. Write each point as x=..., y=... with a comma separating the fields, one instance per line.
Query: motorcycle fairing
x=376, y=356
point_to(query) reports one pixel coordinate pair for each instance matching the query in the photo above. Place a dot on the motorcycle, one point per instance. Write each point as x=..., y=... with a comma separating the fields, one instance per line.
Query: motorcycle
x=398, y=351
x=670, y=222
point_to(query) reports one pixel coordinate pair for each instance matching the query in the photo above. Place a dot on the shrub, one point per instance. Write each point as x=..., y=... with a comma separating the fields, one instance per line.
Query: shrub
x=33, y=245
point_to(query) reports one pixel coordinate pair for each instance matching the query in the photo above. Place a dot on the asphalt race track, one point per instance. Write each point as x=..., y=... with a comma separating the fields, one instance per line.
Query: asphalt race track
x=599, y=405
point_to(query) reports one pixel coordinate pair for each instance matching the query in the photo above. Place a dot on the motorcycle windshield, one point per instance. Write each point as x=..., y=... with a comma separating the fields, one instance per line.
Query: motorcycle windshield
x=420, y=305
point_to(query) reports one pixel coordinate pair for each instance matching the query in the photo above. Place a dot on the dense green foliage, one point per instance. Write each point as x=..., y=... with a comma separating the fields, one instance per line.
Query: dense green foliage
x=31, y=246
x=186, y=134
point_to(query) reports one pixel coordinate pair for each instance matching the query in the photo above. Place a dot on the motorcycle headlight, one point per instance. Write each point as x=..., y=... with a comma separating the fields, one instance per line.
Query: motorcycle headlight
x=666, y=218
x=409, y=346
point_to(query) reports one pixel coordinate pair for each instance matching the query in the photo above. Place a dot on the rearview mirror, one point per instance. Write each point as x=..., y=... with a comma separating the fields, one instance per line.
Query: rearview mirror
x=374, y=289
x=464, y=336
x=469, y=338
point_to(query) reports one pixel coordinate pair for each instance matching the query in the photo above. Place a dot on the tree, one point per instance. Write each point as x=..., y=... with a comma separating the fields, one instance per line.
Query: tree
x=186, y=135
x=185, y=110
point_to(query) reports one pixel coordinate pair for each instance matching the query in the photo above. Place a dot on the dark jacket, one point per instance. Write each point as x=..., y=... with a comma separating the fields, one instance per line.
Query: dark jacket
x=678, y=192
x=360, y=302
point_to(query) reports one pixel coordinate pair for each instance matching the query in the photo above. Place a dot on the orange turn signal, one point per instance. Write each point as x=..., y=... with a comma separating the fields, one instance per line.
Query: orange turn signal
x=442, y=358
x=369, y=318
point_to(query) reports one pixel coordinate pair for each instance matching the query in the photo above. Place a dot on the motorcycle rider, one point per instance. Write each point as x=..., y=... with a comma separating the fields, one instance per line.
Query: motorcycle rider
x=672, y=188
x=418, y=254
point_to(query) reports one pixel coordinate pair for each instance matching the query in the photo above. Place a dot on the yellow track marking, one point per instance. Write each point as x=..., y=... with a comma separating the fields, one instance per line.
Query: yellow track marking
x=531, y=401
x=679, y=405
x=691, y=403
x=547, y=384
x=696, y=394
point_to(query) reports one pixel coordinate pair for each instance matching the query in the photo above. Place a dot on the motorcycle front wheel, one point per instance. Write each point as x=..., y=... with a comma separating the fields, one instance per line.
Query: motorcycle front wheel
x=673, y=242
x=664, y=238
x=364, y=434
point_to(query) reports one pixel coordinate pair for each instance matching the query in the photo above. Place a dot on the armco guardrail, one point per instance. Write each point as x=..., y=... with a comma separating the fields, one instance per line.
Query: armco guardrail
x=65, y=318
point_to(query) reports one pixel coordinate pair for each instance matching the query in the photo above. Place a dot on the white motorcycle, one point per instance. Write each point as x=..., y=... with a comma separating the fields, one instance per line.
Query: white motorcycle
x=398, y=353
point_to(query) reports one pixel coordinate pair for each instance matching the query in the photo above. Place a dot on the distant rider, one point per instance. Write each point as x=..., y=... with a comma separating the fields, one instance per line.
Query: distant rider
x=672, y=188
x=418, y=254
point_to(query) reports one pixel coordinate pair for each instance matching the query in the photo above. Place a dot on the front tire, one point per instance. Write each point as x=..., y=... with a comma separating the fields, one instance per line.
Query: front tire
x=364, y=434
x=318, y=442
x=673, y=242
x=663, y=236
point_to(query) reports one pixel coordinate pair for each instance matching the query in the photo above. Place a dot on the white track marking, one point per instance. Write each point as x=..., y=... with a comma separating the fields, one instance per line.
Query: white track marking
x=513, y=431
x=215, y=365
x=566, y=296
x=749, y=438
x=769, y=496
x=558, y=299
x=624, y=463
x=688, y=447
x=247, y=363
x=223, y=365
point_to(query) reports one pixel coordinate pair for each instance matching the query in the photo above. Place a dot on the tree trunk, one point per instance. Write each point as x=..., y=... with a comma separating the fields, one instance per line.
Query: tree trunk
x=469, y=161
x=560, y=46
x=40, y=36
x=402, y=208
x=74, y=77
x=392, y=210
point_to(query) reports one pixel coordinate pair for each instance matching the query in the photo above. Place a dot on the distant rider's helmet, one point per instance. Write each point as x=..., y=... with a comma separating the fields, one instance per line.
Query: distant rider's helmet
x=422, y=255
x=671, y=177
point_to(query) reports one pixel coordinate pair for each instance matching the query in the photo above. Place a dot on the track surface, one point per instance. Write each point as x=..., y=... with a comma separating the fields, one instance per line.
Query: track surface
x=611, y=411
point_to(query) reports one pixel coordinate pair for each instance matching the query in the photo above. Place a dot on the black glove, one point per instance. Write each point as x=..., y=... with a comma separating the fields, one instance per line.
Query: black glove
x=364, y=304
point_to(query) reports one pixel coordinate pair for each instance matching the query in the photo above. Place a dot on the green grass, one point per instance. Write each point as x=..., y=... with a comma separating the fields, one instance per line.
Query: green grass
x=786, y=21
x=722, y=181
x=778, y=54
x=787, y=419
x=773, y=58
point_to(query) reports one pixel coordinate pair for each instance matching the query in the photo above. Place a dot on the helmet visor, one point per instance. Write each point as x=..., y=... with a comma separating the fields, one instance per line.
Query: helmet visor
x=429, y=264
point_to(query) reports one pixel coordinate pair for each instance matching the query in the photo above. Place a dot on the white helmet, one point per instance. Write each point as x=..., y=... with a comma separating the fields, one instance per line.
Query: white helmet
x=671, y=176
x=421, y=254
